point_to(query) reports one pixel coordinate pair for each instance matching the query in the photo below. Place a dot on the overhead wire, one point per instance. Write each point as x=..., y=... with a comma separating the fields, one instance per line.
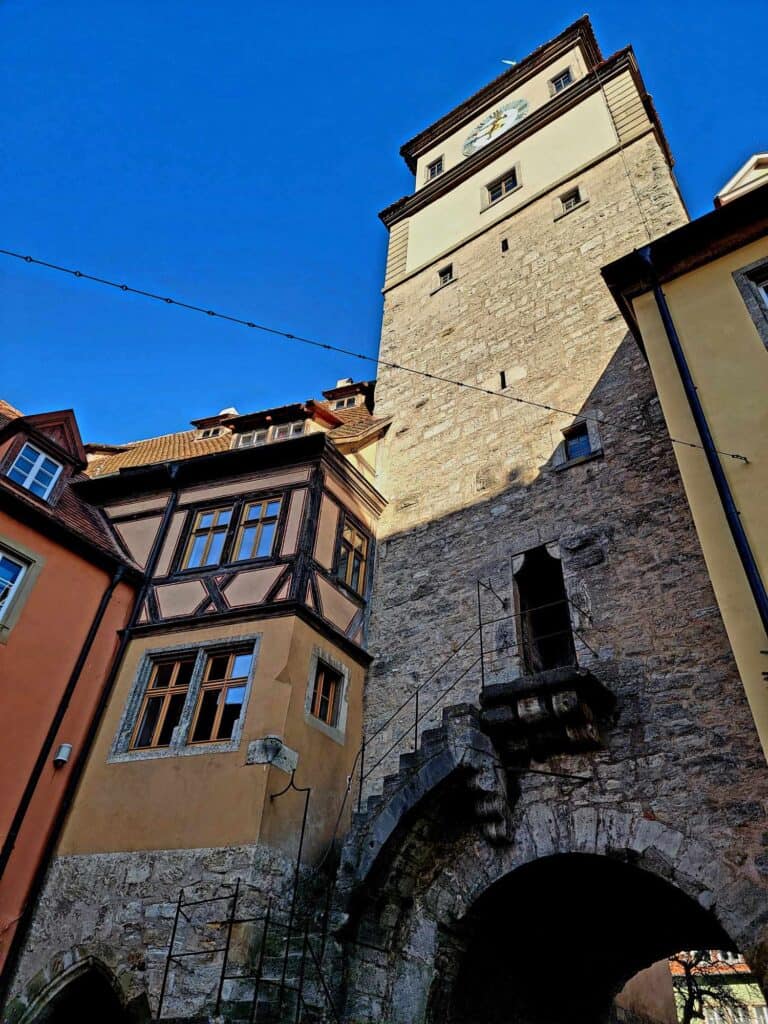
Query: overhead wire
x=314, y=343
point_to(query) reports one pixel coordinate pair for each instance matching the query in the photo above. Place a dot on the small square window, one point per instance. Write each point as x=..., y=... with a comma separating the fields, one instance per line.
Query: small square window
x=11, y=574
x=561, y=81
x=344, y=403
x=570, y=200
x=502, y=186
x=35, y=471
x=577, y=443
x=445, y=276
x=435, y=168
x=326, y=694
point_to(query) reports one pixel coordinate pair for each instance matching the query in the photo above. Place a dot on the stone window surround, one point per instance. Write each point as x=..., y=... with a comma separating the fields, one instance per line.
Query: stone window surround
x=334, y=732
x=33, y=563
x=557, y=202
x=486, y=202
x=752, y=282
x=179, y=746
x=444, y=284
x=568, y=70
x=560, y=458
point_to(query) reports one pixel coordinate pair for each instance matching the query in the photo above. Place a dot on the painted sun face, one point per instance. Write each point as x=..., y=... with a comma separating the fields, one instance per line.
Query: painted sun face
x=494, y=124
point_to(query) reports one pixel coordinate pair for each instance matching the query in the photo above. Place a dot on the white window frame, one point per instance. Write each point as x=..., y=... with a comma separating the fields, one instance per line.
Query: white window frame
x=500, y=179
x=32, y=473
x=13, y=590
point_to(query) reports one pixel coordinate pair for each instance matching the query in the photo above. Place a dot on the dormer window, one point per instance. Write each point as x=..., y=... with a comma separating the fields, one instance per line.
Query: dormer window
x=204, y=435
x=252, y=438
x=344, y=403
x=287, y=430
x=35, y=471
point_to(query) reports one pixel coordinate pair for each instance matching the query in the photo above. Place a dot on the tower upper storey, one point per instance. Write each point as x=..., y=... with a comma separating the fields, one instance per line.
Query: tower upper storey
x=524, y=135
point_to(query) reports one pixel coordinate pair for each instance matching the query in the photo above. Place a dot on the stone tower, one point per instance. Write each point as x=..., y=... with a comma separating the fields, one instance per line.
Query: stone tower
x=612, y=720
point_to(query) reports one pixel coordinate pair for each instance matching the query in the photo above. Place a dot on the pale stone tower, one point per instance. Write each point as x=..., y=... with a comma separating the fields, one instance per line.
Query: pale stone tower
x=524, y=849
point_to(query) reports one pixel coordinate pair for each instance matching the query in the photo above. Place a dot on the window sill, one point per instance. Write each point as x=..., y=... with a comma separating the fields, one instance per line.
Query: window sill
x=331, y=731
x=596, y=454
x=446, y=285
x=190, y=750
x=491, y=205
x=564, y=213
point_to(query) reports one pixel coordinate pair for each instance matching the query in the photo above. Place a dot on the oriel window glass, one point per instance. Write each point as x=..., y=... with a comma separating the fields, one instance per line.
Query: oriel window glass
x=353, y=557
x=206, y=542
x=256, y=536
x=163, y=702
x=221, y=696
x=325, y=694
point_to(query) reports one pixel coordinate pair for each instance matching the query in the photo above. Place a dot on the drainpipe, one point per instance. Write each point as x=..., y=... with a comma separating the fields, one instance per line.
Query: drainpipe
x=732, y=515
x=22, y=929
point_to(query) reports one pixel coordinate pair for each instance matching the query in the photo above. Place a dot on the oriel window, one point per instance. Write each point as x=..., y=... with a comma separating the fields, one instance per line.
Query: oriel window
x=353, y=557
x=221, y=696
x=326, y=694
x=163, y=703
x=256, y=536
x=206, y=542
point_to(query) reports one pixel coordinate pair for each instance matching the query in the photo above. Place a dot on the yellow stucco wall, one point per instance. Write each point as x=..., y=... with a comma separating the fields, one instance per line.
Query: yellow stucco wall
x=729, y=364
x=215, y=799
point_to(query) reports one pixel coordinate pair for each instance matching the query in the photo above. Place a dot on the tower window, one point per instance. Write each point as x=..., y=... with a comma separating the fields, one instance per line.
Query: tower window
x=502, y=186
x=435, y=168
x=570, y=200
x=545, y=634
x=505, y=245
x=577, y=443
x=445, y=276
x=561, y=81
x=502, y=379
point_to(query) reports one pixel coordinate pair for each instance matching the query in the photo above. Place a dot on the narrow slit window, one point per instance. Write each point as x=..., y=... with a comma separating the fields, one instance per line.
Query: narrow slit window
x=222, y=695
x=505, y=245
x=502, y=379
x=256, y=536
x=35, y=471
x=163, y=703
x=353, y=558
x=326, y=693
x=206, y=542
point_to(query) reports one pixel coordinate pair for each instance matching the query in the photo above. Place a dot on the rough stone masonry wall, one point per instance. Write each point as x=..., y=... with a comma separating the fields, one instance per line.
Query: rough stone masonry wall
x=119, y=909
x=470, y=481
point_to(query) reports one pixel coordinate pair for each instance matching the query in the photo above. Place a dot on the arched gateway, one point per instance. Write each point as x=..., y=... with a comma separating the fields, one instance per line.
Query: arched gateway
x=446, y=925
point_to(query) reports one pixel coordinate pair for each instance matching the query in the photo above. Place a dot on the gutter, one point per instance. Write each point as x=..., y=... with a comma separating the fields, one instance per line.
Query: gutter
x=725, y=494
x=25, y=922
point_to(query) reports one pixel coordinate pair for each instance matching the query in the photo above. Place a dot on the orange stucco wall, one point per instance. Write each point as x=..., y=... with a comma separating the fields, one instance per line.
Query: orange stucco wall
x=36, y=661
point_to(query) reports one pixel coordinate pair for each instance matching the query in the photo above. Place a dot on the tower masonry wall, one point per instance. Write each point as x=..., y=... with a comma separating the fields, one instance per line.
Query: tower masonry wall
x=473, y=479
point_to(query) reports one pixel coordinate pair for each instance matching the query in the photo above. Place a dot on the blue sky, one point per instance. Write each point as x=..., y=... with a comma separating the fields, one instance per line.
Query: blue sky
x=237, y=154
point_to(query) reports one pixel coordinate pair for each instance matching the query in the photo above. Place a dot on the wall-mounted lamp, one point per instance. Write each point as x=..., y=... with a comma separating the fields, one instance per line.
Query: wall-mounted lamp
x=62, y=755
x=272, y=747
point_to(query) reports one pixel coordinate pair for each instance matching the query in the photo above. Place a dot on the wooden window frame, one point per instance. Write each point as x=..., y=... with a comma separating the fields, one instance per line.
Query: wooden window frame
x=214, y=530
x=225, y=684
x=238, y=510
x=501, y=181
x=243, y=523
x=325, y=672
x=165, y=694
x=572, y=434
x=31, y=474
x=347, y=522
